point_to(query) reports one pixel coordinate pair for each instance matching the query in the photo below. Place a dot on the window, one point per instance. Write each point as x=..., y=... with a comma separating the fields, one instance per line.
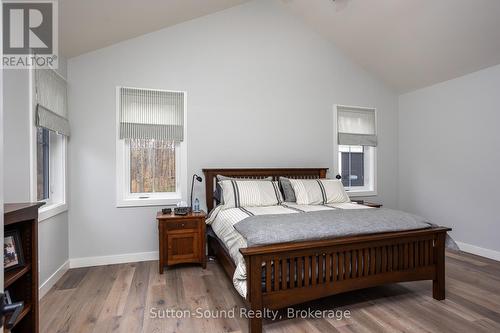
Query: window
x=356, y=142
x=42, y=164
x=50, y=167
x=152, y=166
x=356, y=167
x=50, y=130
x=150, y=147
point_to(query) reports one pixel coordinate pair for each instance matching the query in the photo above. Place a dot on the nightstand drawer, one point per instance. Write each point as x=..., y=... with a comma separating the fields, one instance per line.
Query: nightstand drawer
x=182, y=224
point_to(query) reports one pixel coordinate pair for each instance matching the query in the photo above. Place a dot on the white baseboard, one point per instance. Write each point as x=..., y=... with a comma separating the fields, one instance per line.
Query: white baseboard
x=480, y=251
x=113, y=259
x=51, y=281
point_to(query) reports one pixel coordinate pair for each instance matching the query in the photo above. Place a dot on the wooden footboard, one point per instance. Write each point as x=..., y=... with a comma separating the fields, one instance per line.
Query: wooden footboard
x=286, y=274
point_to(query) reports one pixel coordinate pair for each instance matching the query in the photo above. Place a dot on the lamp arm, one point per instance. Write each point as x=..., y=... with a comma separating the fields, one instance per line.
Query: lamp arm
x=192, y=187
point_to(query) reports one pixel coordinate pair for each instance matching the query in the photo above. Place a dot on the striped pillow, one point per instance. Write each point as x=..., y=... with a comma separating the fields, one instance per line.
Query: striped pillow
x=218, y=189
x=250, y=193
x=319, y=191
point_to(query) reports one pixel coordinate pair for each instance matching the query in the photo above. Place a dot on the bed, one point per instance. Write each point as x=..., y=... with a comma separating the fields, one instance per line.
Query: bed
x=290, y=273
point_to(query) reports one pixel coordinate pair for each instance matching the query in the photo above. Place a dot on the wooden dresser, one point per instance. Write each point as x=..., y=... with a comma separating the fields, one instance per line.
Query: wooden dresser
x=22, y=282
x=181, y=239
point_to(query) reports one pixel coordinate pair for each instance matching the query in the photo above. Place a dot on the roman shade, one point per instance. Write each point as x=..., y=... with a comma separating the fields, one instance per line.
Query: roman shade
x=356, y=126
x=151, y=114
x=51, y=101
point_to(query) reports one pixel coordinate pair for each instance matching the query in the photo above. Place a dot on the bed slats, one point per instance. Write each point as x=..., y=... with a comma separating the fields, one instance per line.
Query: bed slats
x=309, y=270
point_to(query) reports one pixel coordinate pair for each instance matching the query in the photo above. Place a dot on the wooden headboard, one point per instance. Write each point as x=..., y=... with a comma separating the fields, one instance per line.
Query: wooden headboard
x=297, y=173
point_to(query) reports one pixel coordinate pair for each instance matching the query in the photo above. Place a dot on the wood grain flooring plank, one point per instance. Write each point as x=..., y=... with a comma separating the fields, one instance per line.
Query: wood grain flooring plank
x=133, y=314
x=72, y=278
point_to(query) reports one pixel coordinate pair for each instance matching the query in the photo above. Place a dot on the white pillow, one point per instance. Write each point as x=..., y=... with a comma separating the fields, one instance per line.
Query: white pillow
x=250, y=193
x=319, y=191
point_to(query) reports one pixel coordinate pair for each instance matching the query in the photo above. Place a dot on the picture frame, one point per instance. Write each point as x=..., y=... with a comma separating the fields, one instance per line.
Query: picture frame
x=12, y=250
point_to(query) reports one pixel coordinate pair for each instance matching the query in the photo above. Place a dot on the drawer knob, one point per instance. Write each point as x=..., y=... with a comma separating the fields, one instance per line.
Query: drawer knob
x=182, y=225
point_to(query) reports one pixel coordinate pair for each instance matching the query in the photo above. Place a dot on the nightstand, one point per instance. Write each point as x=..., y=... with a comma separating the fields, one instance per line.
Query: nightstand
x=366, y=203
x=181, y=239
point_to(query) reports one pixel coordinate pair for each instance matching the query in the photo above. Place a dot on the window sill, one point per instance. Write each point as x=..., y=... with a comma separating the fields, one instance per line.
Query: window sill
x=46, y=212
x=361, y=193
x=123, y=203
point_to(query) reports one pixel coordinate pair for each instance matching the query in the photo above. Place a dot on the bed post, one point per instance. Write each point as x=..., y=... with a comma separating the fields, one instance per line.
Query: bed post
x=209, y=189
x=254, y=293
x=438, y=284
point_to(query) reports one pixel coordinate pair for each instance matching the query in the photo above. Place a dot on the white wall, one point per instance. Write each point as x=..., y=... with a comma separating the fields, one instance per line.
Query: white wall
x=449, y=157
x=260, y=88
x=53, y=233
x=1, y=162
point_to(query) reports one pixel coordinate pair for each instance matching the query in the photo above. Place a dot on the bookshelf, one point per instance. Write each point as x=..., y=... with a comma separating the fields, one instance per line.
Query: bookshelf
x=22, y=281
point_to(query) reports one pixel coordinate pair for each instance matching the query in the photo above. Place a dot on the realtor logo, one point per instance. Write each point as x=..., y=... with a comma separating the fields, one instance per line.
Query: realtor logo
x=29, y=34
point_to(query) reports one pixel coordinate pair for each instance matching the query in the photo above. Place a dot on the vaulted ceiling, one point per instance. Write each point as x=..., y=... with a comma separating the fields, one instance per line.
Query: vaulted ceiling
x=407, y=44
x=87, y=25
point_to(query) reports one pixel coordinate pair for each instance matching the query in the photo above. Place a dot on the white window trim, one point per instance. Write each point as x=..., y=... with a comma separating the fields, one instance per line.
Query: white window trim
x=46, y=211
x=123, y=196
x=354, y=193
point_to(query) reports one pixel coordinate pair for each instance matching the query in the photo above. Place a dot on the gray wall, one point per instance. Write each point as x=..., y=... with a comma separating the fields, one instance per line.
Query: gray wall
x=53, y=232
x=449, y=153
x=261, y=87
x=16, y=136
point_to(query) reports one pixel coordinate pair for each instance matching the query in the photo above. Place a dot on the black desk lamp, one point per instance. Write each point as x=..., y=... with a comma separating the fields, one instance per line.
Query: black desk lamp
x=198, y=178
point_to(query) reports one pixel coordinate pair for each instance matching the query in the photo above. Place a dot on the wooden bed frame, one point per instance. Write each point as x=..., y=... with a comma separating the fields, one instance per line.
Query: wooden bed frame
x=303, y=271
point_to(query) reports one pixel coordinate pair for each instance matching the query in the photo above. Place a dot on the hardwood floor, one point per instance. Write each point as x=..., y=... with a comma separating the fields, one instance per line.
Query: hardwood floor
x=127, y=297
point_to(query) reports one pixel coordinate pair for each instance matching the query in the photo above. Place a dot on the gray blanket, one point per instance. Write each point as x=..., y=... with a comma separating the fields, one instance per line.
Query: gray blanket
x=281, y=228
